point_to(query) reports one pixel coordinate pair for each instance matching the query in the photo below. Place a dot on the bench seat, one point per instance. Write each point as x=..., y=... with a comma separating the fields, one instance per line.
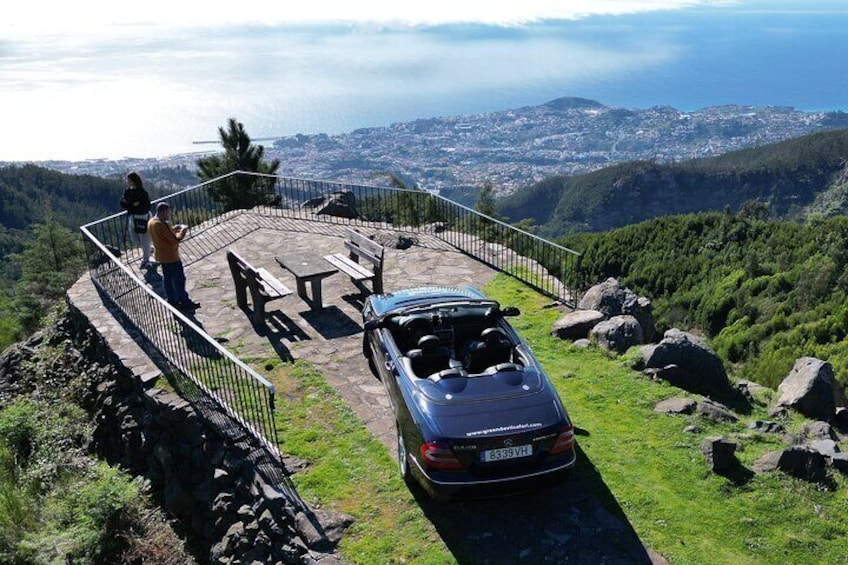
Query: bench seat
x=360, y=247
x=264, y=287
x=350, y=267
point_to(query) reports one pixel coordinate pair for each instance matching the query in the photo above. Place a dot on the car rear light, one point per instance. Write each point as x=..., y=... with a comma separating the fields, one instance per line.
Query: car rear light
x=439, y=456
x=564, y=441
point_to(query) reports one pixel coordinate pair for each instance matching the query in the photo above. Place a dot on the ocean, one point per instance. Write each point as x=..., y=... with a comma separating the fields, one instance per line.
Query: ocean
x=152, y=95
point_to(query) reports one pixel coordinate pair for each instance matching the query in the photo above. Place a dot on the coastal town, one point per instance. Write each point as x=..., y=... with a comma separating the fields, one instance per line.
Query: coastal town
x=509, y=149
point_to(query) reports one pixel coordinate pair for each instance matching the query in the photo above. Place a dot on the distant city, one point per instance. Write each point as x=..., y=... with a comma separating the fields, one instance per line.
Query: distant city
x=514, y=148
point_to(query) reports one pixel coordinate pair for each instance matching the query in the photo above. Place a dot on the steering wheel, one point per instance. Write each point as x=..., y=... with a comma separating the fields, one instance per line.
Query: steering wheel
x=416, y=327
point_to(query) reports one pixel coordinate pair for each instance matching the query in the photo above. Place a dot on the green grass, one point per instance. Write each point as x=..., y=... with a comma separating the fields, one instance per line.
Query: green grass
x=655, y=470
x=652, y=468
x=349, y=471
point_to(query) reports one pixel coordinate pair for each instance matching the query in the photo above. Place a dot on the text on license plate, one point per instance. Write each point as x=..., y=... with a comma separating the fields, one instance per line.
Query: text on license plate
x=513, y=452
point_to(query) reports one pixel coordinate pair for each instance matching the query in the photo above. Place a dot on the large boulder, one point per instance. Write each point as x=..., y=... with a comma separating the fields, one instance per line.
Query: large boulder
x=799, y=461
x=811, y=389
x=341, y=204
x=618, y=334
x=719, y=452
x=576, y=324
x=612, y=299
x=607, y=297
x=687, y=362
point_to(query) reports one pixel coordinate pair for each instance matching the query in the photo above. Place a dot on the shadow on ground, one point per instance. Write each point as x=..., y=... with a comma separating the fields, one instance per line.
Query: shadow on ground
x=331, y=322
x=578, y=521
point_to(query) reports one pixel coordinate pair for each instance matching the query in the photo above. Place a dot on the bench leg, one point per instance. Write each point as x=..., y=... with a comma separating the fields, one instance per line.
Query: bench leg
x=378, y=282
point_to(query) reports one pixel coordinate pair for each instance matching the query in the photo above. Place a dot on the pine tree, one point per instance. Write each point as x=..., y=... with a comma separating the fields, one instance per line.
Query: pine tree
x=238, y=191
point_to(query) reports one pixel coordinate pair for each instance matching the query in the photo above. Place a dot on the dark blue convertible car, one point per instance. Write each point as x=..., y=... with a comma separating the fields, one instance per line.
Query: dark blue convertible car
x=474, y=411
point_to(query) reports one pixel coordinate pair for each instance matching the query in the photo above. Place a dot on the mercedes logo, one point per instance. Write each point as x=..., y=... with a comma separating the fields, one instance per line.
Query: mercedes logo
x=507, y=442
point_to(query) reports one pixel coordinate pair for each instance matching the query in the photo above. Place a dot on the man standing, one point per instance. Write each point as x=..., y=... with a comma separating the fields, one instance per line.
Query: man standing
x=166, y=250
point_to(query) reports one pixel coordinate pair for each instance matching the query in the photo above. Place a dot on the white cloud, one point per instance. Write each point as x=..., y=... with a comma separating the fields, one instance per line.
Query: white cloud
x=96, y=17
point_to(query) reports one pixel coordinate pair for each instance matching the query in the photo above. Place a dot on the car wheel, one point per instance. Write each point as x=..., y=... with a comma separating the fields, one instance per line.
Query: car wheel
x=403, y=460
x=369, y=355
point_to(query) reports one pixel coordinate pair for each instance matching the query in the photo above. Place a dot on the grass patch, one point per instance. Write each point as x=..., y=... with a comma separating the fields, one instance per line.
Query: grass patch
x=656, y=472
x=349, y=471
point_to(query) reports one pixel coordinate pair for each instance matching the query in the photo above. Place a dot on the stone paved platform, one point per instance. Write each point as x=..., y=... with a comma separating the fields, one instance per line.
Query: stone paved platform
x=330, y=338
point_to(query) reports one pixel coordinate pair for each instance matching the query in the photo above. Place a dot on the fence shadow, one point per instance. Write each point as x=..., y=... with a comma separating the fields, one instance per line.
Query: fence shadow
x=577, y=521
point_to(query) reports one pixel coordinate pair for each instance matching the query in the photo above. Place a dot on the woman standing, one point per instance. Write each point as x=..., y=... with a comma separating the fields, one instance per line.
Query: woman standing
x=136, y=202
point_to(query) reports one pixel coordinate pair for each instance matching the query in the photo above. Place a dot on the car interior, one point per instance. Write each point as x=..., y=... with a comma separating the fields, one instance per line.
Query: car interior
x=455, y=341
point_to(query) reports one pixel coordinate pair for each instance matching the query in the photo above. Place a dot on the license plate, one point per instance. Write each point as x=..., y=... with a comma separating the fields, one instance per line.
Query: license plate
x=513, y=452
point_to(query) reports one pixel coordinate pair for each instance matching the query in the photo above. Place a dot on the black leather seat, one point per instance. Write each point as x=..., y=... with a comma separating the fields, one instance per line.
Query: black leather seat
x=494, y=347
x=430, y=357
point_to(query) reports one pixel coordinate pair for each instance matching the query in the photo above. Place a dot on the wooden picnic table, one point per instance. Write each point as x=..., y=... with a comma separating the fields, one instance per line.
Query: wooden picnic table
x=310, y=267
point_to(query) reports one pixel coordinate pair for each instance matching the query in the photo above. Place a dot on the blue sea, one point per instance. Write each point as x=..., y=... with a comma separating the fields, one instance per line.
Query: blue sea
x=153, y=95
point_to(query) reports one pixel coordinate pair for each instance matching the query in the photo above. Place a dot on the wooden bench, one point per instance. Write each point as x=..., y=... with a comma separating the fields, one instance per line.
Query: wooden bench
x=264, y=287
x=360, y=247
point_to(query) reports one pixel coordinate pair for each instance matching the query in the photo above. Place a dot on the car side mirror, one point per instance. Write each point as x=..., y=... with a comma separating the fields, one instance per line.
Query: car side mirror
x=510, y=311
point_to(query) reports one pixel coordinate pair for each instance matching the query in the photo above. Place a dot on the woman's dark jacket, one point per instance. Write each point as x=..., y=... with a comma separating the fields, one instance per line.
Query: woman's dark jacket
x=135, y=201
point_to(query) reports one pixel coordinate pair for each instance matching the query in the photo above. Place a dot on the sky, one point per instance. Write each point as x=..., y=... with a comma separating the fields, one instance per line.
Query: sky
x=104, y=79
x=105, y=17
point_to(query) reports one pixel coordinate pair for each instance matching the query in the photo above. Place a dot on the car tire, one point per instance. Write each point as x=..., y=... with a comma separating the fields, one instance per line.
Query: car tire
x=403, y=460
x=369, y=356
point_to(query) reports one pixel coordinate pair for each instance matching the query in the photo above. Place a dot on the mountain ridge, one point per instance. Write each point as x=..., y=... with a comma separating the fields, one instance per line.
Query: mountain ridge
x=793, y=178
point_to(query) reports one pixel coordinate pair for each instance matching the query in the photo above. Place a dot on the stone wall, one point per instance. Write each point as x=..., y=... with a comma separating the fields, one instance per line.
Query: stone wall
x=207, y=477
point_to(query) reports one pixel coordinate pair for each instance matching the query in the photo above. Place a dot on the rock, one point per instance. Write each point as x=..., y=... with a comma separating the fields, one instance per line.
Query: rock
x=719, y=452
x=752, y=391
x=675, y=406
x=618, y=334
x=394, y=240
x=582, y=343
x=810, y=388
x=341, y=204
x=826, y=447
x=692, y=429
x=798, y=461
x=766, y=427
x=715, y=411
x=840, y=462
x=643, y=311
x=576, y=324
x=607, y=297
x=696, y=367
x=841, y=417
x=778, y=412
x=612, y=299
x=235, y=537
x=311, y=531
x=818, y=430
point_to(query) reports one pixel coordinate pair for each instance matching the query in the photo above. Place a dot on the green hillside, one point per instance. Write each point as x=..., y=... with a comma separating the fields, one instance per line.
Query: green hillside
x=795, y=179
x=765, y=292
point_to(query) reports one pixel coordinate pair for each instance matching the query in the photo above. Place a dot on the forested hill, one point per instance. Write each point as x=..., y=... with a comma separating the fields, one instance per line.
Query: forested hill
x=796, y=178
x=766, y=292
x=28, y=193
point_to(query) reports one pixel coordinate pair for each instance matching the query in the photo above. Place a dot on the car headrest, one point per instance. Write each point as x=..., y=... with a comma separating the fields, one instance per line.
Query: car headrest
x=428, y=342
x=494, y=335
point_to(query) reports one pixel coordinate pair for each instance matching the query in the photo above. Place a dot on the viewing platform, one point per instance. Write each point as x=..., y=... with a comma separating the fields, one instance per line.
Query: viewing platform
x=329, y=338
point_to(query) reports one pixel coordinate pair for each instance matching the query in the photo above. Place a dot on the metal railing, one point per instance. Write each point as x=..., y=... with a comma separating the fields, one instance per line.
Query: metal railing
x=242, y=393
